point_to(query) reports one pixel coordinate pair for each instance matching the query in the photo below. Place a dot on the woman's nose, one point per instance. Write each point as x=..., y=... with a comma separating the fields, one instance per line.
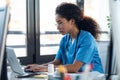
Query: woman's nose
x=58, y=27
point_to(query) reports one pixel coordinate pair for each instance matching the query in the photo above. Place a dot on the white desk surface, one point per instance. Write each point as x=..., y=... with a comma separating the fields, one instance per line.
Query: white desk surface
x=90, y=76
x=11, y=76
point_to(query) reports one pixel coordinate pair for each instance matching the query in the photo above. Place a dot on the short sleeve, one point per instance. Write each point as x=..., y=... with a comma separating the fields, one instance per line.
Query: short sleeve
x=86, y=49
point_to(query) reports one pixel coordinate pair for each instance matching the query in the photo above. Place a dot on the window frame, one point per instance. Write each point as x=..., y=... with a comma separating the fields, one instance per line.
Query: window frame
x=33, y=34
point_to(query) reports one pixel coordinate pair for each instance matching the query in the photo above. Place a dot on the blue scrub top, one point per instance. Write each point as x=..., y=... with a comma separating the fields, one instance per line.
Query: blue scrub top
x=83, y=49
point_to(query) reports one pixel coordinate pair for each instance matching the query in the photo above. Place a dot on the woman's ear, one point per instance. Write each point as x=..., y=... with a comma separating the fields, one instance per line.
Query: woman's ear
x=72, y=21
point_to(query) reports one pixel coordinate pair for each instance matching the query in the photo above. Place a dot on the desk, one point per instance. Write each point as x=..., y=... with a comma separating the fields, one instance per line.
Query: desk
x=11, y=76
x=89, y=76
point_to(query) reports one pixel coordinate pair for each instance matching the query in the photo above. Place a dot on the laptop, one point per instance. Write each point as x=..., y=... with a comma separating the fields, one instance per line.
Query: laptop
x=16, y=66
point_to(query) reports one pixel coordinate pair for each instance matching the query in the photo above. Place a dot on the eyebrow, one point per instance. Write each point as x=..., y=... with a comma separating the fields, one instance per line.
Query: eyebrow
x=58, y=21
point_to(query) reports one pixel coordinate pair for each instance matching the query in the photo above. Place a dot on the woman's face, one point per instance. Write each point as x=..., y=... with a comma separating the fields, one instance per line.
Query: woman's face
x=63, y=25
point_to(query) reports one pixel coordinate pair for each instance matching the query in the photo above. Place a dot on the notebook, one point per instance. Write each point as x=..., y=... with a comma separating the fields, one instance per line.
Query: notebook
x=16, y=66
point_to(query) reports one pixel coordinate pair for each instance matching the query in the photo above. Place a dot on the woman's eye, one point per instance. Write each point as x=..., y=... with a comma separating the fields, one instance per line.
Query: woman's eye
x=60, y=23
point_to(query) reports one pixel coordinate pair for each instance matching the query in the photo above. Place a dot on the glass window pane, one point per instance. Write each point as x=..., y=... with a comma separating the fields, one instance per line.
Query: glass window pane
x=99, y=12
x=17, y=27
x=49, y=42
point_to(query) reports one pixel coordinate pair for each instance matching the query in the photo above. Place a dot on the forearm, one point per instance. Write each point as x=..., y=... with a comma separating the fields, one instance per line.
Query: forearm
x=55, y=62
x=73, y=68
x=46, y=64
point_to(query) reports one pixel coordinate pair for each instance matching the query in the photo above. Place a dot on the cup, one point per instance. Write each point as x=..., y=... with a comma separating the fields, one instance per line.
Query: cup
x=57, y=73
x=50, y=69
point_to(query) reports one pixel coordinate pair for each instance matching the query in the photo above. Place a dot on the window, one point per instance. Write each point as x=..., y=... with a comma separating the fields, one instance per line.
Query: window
x=49, y=35
x=100, y=13
x=17, y=28
x=32, y=31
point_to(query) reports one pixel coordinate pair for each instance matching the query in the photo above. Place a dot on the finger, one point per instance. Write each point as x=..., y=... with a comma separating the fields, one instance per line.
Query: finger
x=30, y=65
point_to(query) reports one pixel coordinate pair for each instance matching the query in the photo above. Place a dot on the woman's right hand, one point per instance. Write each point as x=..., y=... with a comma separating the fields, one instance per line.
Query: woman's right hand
x=36, y=68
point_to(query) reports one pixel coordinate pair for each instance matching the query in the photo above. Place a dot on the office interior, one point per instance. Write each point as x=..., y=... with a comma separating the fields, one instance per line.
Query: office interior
x=33, y=36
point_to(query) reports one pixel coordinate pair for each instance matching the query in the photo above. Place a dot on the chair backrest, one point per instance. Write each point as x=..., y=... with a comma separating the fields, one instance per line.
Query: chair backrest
x=103, y=47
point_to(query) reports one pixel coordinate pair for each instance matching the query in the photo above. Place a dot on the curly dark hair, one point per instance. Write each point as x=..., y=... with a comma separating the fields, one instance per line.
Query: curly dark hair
x=72, y=11
x=89, y=24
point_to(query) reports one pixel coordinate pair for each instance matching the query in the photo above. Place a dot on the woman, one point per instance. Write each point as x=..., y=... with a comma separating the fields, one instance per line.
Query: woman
x=78, y=46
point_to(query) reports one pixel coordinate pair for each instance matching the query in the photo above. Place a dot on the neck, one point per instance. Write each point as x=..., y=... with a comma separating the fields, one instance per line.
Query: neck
x=74, y=33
